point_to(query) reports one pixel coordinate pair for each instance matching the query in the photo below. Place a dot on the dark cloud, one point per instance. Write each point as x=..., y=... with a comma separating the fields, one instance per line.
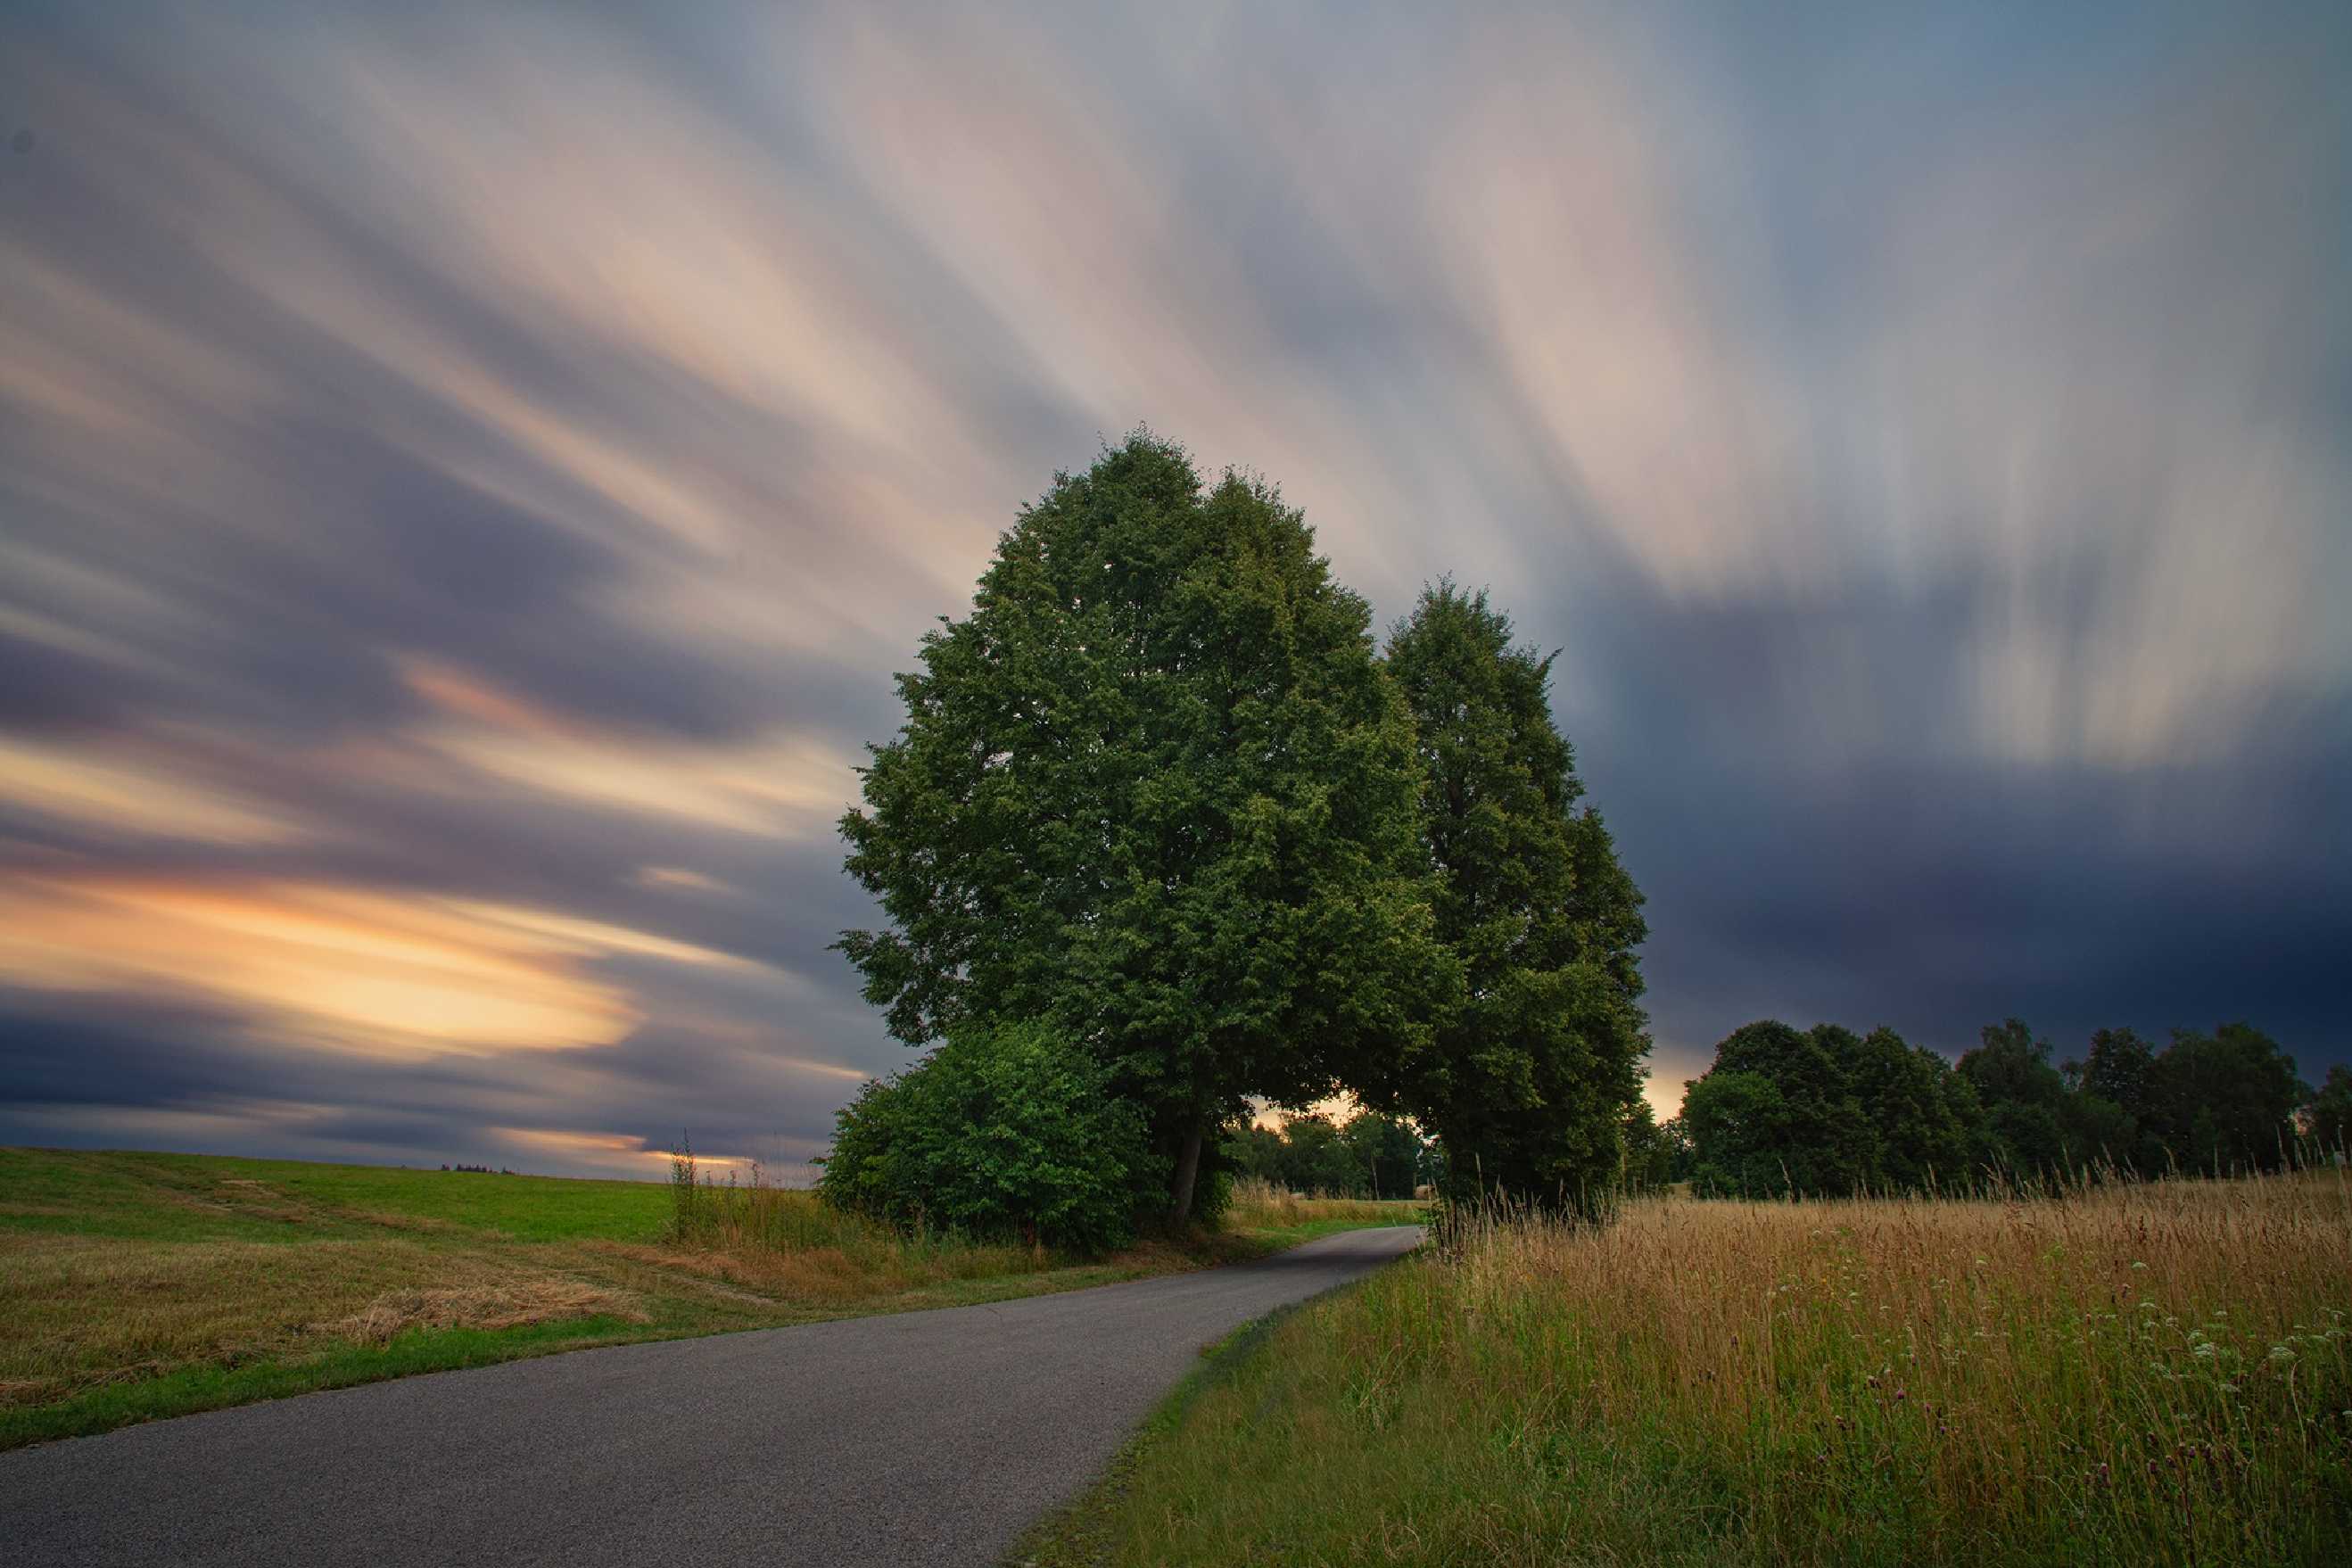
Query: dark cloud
x=467, y=480
x=200, y=1077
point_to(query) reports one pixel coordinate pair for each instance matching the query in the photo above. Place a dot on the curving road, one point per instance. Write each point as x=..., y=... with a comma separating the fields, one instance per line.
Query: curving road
x=924, y=1438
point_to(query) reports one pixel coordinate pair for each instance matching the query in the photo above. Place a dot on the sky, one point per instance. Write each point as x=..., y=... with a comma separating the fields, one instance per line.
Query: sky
x=469, y=473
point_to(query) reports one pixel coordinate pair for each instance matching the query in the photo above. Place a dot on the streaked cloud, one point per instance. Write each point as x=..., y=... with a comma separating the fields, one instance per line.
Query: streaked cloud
x=466, y=476
x=344, y=969
x=121, y=795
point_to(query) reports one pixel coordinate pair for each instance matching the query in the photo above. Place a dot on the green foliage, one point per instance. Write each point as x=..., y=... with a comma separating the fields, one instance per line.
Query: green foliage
x=1155, y=789
x=2224, y=1101
x=2025, y=1100
x=1652, y=1150
x=2330, y=1123
x=1371, y=1156
x=1926, y=1122
x=1534, y=1071
x=2118, y=1068
x=2207, y=1103
x=1390, y=1154
x=1828, y=1113
x=1002, y=1131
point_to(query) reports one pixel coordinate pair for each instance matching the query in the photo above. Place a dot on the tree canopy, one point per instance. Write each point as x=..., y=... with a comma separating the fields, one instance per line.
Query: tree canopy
x=1825, y=1112
x=1535, y=1070
x=1156, y=789
x=1369, y=1155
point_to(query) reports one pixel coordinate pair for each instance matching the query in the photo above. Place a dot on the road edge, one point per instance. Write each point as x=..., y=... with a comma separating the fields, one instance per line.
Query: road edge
x=1077, y=1534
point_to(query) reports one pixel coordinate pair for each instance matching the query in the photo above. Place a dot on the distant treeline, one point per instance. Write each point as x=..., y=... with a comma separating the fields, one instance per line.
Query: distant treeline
x=1368, y=1156
x=1828, y=1111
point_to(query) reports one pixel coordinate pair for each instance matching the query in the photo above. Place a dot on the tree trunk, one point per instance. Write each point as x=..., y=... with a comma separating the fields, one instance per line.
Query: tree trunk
x=1188, y=1167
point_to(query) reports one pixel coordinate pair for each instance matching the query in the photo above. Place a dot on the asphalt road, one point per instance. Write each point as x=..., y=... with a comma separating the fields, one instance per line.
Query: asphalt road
x=922, y=1437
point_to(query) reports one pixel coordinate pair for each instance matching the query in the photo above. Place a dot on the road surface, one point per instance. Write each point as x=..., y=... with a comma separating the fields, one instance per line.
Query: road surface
x=922, y=1437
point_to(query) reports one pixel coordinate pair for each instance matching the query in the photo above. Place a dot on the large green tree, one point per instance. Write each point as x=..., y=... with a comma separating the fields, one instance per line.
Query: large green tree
x=1828, y=1112
x=1156, y=789
x=2225, y=1101
x=1925, y=1119
x=2112, y=1110
x=1778, y=1114
x=2039, y=1126
x=2118, y=1069
x=1534, y=1072
x=2024, y=1096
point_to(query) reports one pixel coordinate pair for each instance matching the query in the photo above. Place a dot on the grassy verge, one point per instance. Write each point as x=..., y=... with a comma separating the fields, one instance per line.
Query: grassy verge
x=1091, y=1530
x=2137, y=1375
x=134, y=1286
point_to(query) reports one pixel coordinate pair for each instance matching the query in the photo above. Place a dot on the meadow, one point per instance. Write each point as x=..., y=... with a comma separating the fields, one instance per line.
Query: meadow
x=2139, y=1372
x=134, y=1286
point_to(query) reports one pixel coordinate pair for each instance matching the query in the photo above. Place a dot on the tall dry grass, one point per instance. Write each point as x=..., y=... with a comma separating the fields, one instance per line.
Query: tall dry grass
x=789, y=1241
x=2122, y=1374
x=1259, y=1204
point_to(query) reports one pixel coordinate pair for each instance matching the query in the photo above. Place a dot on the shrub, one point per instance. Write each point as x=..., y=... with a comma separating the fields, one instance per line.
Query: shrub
x=1005, y=1132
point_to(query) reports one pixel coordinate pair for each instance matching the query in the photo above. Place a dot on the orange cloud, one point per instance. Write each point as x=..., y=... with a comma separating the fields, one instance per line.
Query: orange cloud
x=776, y=785
x=393, y=974
x=681, y=879
x=120, y=796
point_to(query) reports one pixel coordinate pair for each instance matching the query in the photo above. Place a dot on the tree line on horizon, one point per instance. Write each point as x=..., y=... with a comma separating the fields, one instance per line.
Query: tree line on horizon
x=1828, y=1112
x=1167, y=830
x=1368, y=1155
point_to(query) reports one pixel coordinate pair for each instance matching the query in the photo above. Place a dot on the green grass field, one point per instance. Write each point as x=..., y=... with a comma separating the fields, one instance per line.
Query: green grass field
x=2136, y=1374
x=134, y=1286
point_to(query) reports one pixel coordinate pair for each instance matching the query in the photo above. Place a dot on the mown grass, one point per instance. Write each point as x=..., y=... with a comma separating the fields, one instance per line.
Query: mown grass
x=2135, y=1373
x=134, y=1286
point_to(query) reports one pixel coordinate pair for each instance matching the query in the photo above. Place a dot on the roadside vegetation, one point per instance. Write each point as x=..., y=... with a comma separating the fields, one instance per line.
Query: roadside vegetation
x=135, y=1286
x=1827, y=1112
x=1166, y=831
x=2120, y=1372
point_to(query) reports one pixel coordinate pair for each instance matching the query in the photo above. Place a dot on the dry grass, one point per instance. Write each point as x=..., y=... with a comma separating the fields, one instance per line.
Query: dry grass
x=2142, y=1374
x=82, y=1312
x=133, y=1286
x=789, y=1241
x=1260, y=1204
x=510, y=1304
